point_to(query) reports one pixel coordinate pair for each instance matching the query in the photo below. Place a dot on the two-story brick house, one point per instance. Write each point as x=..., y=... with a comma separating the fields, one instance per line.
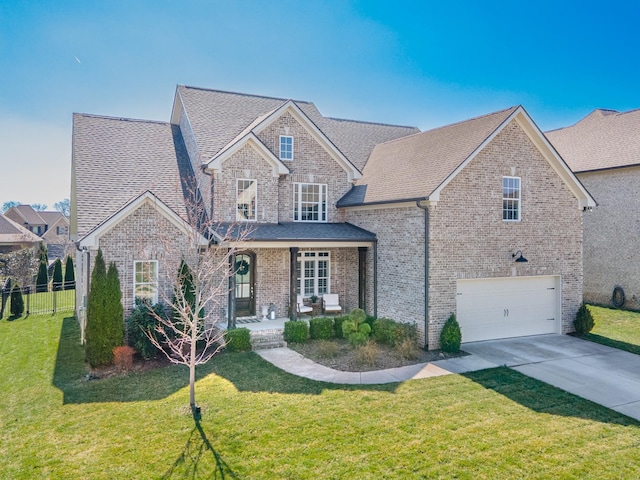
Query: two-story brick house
x=376, y=213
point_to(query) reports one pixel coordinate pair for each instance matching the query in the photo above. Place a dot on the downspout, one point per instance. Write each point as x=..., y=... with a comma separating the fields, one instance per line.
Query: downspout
x=83, y=319
x=426, y=273
x=375, y=278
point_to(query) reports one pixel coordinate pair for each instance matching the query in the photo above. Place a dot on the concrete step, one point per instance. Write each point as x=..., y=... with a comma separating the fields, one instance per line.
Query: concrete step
x=264, y=339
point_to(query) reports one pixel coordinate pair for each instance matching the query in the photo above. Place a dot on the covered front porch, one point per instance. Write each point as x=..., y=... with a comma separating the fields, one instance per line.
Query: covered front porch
x=277, y=263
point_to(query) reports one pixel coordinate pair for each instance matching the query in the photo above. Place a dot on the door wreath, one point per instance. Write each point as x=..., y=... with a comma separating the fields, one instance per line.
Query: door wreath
x=242, y=267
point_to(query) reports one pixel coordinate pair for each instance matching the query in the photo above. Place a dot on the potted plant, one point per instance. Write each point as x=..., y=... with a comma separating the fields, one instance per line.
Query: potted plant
x=314, y=299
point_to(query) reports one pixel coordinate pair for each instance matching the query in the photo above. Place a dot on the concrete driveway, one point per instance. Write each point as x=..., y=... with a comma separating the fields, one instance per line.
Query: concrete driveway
x=604, y=375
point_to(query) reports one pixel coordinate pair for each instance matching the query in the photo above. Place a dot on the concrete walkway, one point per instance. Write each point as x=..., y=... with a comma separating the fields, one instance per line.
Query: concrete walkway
x=604, y=375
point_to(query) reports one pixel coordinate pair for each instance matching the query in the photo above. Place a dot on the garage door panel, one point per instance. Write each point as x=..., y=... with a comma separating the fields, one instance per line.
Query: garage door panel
x=507, y=307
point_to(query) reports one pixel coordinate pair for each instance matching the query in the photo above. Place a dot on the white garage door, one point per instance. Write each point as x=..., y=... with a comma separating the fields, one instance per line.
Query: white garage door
x=490, y=308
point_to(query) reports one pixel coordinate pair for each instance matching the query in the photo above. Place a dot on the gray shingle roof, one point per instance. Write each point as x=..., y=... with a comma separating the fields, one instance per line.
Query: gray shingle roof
x=413, y=167
x=31, y=216
x=217, y=117
x=601, y=140
x=298, y=231
x=12, y=232
x=116, y=159
x=50, y=218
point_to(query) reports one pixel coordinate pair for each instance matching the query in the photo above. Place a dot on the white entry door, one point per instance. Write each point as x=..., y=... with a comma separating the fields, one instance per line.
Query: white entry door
x=492, y=308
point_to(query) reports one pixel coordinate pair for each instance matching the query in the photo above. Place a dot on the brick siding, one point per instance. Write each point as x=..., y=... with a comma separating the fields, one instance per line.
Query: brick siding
x=611, y=241
x=468, y=239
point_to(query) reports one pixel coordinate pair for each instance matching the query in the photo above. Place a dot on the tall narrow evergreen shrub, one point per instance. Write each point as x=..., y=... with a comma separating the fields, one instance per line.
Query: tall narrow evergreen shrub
x=69, y=274
x=42, y=280
x=97, y=351
x=17, y=303
x=57, y=275
x=114, y=324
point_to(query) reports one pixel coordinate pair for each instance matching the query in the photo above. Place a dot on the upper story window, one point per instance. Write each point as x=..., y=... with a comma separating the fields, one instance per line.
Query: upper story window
x=62, y=230
x=309, y=202
x=511, y=199
x=246, y=191
x=145, y=280
x=286, y=147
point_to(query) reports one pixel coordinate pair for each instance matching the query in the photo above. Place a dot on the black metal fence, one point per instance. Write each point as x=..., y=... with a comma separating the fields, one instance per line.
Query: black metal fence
x=62, y=298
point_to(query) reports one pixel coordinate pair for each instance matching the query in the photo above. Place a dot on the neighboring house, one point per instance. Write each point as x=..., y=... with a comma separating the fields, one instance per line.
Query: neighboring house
x=603, y=149
x=14, y=236
x=339, y=206
x=51, y=227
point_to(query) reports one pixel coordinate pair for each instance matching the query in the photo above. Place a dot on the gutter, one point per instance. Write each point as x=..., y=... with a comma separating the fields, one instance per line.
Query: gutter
x=426, y=273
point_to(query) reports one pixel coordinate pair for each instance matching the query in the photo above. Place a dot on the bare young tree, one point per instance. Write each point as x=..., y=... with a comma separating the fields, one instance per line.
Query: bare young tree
x=186, y=333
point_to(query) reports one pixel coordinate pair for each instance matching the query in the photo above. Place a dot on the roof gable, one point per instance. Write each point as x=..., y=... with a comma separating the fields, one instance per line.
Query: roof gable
x=418, y=167
x=251, y=132
x=91, y=239
x=215, y=164
x=602, y=140
x=115, y=158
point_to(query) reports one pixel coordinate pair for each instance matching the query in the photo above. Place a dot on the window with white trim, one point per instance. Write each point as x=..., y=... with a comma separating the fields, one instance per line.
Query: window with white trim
x=313, y=273
x=145, y=280
x=309, y=202
x=511, y=199
x=286, y=147
x=246, y=194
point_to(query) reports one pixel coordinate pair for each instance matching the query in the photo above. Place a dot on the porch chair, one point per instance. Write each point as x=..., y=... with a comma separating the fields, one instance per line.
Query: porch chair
x=302, y=308
x=331, y=303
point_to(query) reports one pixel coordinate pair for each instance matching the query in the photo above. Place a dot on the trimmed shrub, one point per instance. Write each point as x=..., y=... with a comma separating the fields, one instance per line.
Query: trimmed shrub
x=451, y=337
x=123, y=357
x=57, y=275
x=389, y=332
x=69, y=274
x=584, y=322
x=17, y=302
x=370, y=319
x=383, y=329
x=237, y=340
x=405, y=331
x=140, y=323
x=321, y=328
x=355, y=329
x=296, y=331
x=337, y=325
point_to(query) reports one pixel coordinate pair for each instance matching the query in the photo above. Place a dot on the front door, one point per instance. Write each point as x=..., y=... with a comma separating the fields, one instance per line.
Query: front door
x=245, y=278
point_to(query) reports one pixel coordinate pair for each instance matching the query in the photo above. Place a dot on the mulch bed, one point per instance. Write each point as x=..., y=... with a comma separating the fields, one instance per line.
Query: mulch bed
x=346, y=358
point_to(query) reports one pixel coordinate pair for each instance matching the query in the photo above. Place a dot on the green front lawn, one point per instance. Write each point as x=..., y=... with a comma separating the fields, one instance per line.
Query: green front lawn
x=615, y=328
x=259, y=422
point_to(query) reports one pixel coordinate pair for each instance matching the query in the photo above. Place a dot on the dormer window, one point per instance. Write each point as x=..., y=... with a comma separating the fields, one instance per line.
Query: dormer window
x=286, y=147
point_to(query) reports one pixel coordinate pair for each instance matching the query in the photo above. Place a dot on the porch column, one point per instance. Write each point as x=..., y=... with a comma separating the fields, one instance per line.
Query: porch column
x=362, y=278
x=293, y=283
x=231, y=304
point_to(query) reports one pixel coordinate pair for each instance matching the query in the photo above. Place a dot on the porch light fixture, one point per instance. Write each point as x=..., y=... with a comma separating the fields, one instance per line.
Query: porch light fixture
x=520, y=258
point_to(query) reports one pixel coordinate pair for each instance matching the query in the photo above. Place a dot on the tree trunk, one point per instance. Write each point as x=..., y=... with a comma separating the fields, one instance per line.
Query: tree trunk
x=192, y=375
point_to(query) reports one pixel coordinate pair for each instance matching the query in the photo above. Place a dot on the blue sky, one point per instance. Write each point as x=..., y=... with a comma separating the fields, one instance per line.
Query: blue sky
x=418, y=63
